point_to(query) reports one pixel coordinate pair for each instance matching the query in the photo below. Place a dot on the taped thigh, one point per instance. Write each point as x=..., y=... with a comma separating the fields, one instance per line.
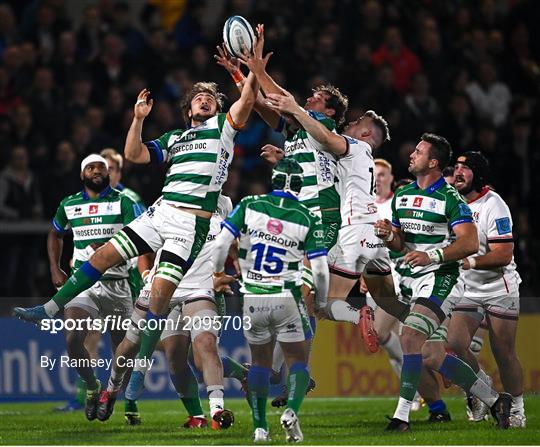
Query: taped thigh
x=421, y=323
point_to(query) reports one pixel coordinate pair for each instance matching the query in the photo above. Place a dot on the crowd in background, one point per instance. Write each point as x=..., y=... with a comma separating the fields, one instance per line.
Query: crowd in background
x=467, y=70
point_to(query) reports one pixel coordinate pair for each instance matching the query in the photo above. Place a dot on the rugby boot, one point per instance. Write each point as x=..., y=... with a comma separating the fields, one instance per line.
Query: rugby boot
x=367, y=328
x=92, y=400
x=500, y=410
x=106, y=403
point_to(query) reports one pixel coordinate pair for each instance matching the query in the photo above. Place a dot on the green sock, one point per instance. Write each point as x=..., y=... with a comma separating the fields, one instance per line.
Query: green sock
x=410, y=375
x=187, y=388
x=150, y=335
x=258, y=384
x=84, y=278
x=297, y=383
x=80, y=394
x=130, y=406
x=232, y=369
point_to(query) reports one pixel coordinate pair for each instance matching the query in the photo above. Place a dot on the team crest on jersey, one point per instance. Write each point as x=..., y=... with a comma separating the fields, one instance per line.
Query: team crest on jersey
x=503, y=225
x=274, y=226
x=433, y=205
x=93, y=209
x=417, y=202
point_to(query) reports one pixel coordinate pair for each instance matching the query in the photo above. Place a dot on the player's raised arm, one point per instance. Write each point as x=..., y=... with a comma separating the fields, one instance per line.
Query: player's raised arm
x=135, y=150
x=331, y=142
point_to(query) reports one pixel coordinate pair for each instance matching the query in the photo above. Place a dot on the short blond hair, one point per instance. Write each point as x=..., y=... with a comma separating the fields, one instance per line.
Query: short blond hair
x=383, y=162
x=112, y=154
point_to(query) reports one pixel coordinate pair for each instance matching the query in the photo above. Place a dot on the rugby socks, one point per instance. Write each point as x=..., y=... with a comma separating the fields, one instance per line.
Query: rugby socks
x=462, y=375
x=438, y=407
x=90, y=379
x=297, y=383
x=187, y=388
x=393, y=347
x=233, y=369
x=84, y=278
x=410, y=378
x=342, y=311
x=115, y=381
x=258, y=386
x=215, y=398
x=80, y=393
x=150, y=335
x=518, y=406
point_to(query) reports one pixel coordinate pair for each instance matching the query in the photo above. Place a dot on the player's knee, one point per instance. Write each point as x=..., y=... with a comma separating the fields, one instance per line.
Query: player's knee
x=458, y=344
x=205, y=343
x=105, y=257
x=411, y=340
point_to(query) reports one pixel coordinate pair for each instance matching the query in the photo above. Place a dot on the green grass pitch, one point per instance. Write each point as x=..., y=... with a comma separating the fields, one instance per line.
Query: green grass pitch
x=324, y=422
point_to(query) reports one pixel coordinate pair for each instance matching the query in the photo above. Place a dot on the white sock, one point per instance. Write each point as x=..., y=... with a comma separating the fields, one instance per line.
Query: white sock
x=215, y=398
x=341, y=311
x=403, y=409
x=115, y=381
x=277, y=358
x=484, y=376
x=51, y=308
x=518, y=405
x=484, y=392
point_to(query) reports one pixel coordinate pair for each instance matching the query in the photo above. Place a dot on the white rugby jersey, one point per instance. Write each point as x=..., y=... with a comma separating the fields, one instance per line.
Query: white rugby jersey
x=199, y=276
x=384, y=209
x=494, y=225
x=356, y=185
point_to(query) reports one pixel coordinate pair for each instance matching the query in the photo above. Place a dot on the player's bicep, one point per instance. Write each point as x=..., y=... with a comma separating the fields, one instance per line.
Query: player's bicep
x=465, y=230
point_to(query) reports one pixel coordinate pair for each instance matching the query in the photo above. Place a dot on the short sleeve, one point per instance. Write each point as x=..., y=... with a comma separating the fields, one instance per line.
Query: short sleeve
x=60, y=221
x=159, y=148
x=326, y=122
x=314, y=243
x=236, y=220
x=395, y=216
x=130, y=209
x=457, y=211
x=499, y=222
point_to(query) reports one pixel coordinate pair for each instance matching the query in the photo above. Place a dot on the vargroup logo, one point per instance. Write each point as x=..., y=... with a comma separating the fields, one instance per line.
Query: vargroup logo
x=93, y=209
x=274, y=226
x=418, y=202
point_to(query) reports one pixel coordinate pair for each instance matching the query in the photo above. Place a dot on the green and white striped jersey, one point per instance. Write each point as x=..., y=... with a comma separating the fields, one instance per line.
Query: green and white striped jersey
x=276, y=231
x=198, y=159
x=95, y=221
x=426, y=218
x=318, y=190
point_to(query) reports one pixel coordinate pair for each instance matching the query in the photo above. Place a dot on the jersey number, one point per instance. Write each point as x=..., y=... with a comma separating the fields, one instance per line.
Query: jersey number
x=372, y=188
x=272, y=263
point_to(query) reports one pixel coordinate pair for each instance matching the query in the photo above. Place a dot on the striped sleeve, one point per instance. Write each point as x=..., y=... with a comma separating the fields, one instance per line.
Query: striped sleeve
x=159, y=148
x=235, y=221
x=395, y=217
x=60, y=221
x=458, y=212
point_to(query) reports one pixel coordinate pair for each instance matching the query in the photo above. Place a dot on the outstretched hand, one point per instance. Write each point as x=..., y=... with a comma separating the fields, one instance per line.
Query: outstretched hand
x=143, y=106
x=255, y=61
x=282, y=103
x=226, y=60
x=272, y=154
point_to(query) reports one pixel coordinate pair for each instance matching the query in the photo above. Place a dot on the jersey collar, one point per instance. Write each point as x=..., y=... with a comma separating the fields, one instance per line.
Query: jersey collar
x=280, y=193
x=434, y=186
x=484, y=191
x=120, y=187
x=102, y=194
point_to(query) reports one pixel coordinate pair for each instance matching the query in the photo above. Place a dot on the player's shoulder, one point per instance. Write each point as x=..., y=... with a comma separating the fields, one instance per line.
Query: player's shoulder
x=224, y=206
x=72, y=199
x=319, y=116
x=450, y=193
x=404, y=189
x=492, y=199
x=358, y=147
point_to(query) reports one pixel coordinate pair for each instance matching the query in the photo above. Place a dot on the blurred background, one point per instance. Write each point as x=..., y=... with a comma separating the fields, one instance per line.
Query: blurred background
x=70, y=72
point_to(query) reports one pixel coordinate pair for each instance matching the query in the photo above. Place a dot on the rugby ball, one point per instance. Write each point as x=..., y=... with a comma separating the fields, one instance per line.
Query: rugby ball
x=237, y=35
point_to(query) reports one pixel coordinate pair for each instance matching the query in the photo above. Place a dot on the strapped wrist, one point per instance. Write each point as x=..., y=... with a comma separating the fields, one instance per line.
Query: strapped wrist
x=472, y=262
x=237, y=76
x=436, y=256
x=390, y=237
